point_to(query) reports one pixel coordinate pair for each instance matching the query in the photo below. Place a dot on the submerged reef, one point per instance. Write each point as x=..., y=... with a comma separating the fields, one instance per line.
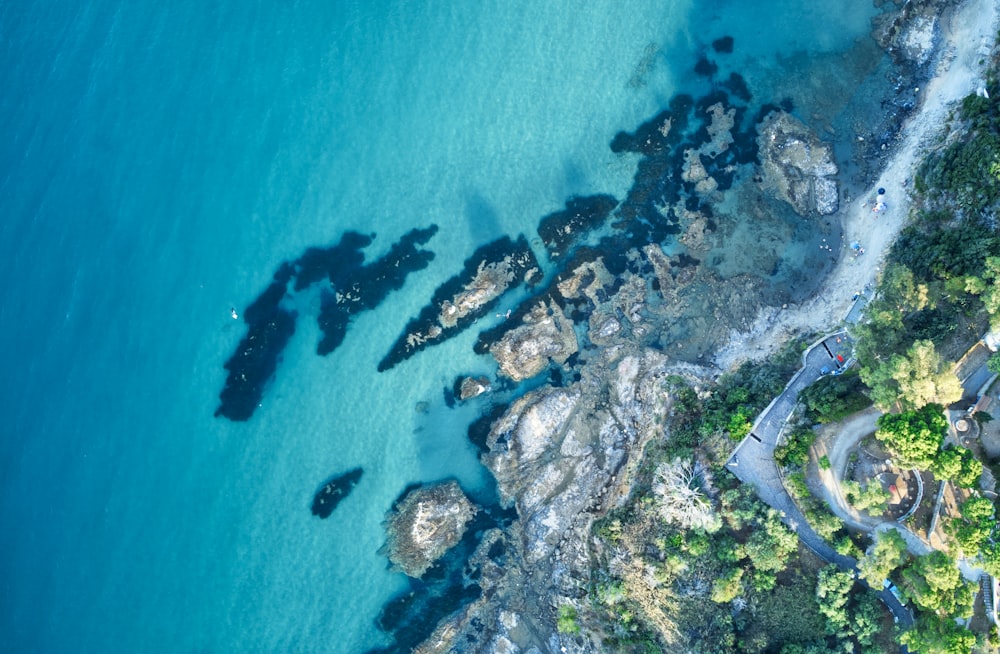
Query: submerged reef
x=348, y=287
x=269, y=328
x=365, y=287
x=491, y=271
x=334, y=492
x=581, y=215
x=723, y=44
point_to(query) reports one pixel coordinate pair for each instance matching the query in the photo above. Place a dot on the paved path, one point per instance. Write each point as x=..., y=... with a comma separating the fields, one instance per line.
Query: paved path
x=753, y=460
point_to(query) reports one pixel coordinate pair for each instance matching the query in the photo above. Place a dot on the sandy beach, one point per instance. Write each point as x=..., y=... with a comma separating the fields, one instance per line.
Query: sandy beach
x=966, y=40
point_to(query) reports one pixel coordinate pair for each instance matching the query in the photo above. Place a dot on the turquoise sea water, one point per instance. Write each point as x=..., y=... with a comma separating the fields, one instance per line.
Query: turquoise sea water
x=160, y=160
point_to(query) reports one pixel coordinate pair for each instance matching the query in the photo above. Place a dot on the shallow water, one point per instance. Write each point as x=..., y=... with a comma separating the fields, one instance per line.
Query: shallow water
x=160, y=162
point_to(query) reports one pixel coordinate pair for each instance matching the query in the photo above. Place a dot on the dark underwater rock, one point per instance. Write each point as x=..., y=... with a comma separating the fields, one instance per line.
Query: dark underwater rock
x=337, y=263
x=581, y=215
x=491, y=271
x=252, y=365
x=660, y=132
x=267, y=302
x=351, y=287
x=368, y=285
x=705, y=67
x=737, y=85
x=723, y=45
x=334, y=492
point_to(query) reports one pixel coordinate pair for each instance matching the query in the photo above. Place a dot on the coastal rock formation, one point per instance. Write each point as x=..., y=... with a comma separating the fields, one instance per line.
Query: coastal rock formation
x=796, y=166
x=334, y=491
x=911, y=34
x=470, y=387
x=562, y=457
x=546, y=335
x=425, y=524
x=491, y=271
x=720, y=130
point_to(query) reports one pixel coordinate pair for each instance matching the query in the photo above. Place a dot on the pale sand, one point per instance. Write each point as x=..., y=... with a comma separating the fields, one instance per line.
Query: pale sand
x=967, y=38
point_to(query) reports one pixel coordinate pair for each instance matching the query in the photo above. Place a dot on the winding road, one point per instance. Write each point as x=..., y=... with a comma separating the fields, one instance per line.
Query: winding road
x=753, y=460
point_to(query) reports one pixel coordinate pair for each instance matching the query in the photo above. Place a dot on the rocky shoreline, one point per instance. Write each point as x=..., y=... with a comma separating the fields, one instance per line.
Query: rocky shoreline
x=618, y=319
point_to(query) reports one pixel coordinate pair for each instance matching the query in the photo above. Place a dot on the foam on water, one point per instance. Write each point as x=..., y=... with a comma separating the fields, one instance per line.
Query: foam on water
x=158, y=163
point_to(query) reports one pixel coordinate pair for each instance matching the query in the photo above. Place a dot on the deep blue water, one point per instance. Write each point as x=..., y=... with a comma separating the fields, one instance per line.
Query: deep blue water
x=158, y=162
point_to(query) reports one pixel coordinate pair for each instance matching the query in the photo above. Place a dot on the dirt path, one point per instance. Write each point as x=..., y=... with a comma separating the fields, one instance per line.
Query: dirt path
x=967, y=39
x=836, y=442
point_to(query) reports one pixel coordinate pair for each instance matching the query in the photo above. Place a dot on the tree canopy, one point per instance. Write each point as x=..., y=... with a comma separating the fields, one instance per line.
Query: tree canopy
x=914, y=437
x=887, y=554
x=833, y=588
x=975, y=525
x=934, y=635
x=959, y=465
x=935, y=584
x=871, y=497
x=834, y=397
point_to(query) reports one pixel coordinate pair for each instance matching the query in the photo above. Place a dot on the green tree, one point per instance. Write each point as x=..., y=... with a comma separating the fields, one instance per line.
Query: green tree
x=993, y=364
x=834, y=397
x=770, y=544
x=935, y=635
x=914, y=437
x=808, y=648
x=975, y=525
x=959, y=465
x=866, y=618
x=935, y=584
x=910, y=380
x=728, y=587
x=923, y=377
x=795, y=450
x=872, y=497
x=833, y=590
x=989, y=553
x=887, y=554
x=947, y=464
x=991, y=296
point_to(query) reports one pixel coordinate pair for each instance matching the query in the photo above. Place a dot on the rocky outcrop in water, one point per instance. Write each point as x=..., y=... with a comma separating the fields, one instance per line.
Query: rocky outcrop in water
x=545, y=335
x=491, y=271
x=561, y=229
x=796, y=166
x=911, y=34
x=564, y=454
x=469, y=387
x=426, y=523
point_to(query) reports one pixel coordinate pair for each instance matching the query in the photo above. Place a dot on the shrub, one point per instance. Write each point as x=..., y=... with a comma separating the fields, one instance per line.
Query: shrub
x=566, y=623
x=834, y=398
x=795, y=450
